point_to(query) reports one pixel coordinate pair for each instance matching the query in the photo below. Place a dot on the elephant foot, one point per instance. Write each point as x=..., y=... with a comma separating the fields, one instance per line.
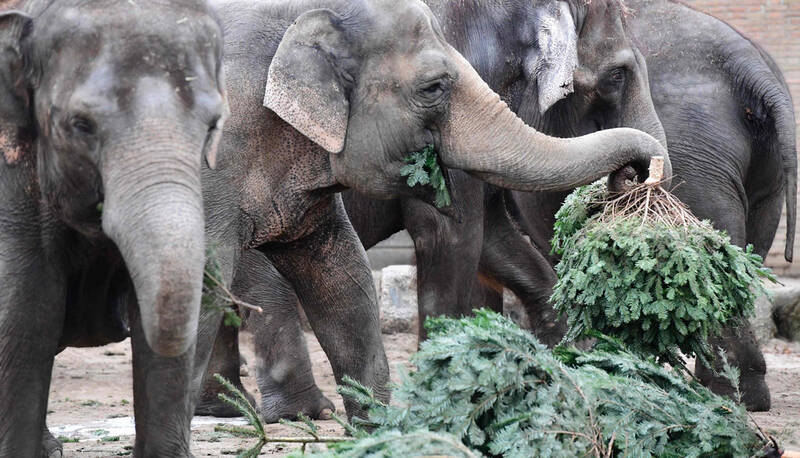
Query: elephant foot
x=753, y=388
x=211, y=405
x=550, y=333
x=310, y=402
x=51, y=447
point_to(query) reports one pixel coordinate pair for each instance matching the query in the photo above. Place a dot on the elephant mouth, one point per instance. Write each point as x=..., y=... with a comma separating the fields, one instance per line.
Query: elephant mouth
x=84, y=217
x=429, y=179
x=453, y=210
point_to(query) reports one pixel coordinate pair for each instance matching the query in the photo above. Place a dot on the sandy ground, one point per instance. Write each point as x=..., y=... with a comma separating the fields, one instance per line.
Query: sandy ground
x=91, y=399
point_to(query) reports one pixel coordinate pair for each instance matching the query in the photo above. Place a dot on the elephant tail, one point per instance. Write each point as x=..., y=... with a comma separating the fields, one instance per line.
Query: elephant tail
x=787, y=144
x=775, y=168
x=781, y=108
x=770, y=115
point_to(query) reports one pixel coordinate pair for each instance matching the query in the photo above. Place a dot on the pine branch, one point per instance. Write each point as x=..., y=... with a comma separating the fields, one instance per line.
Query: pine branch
x=501, y=393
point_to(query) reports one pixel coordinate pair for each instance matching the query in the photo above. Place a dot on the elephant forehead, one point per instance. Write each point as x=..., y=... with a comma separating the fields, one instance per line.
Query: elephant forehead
x=110, y=59
x=130, y=24
x=402, y=25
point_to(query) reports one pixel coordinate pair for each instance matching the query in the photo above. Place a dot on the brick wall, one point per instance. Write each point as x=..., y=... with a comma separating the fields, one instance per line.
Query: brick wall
x=775, y=25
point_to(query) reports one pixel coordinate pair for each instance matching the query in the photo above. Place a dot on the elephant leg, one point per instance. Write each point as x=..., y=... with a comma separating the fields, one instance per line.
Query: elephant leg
x=29, y=342
x=51, y=447
x=225, y=360
x=519, y=266
x=283, y=366
x=31, y=319
x=331, y=276
x=448, y=252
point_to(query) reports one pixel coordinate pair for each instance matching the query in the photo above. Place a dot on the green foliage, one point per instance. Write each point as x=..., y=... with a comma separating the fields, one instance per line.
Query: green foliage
x=239, y=401
x=256, y=430
x=658, y=286
x=502, y=393
x=212, y=297
x=423, y=169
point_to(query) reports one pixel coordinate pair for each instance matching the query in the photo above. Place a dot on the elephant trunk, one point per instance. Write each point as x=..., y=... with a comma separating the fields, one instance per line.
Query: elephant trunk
x=485, y=138
x=639, y=112
x=153, y=211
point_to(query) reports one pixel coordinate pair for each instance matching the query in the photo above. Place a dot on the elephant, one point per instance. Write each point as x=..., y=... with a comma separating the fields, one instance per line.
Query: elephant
x=106, y=111
x=510, y=260
x=352, y=88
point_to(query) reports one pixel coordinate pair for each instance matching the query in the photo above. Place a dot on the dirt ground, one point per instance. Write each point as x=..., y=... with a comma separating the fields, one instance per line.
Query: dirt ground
x=91, y=399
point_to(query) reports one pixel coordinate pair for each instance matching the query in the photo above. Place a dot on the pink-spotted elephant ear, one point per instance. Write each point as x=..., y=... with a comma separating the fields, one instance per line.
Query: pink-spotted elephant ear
x=305, y=84
x=554, y=56
x=15, y=102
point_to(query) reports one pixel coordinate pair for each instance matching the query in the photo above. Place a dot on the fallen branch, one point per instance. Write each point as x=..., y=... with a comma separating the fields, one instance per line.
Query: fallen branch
x=229, y=295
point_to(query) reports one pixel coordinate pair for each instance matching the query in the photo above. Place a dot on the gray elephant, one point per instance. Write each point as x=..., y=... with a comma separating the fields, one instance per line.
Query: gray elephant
x=353, y=88
x=569, y=69
x=106, y=109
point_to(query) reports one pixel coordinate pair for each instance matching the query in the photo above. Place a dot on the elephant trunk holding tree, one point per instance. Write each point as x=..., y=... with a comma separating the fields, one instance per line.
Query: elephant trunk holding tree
x=107, y=108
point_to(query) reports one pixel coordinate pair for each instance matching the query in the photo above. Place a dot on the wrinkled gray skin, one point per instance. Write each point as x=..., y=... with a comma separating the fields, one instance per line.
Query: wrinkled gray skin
x=546, y=49
x=107, y=103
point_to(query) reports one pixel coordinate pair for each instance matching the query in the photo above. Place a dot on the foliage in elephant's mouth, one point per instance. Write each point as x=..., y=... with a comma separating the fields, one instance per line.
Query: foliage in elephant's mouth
x=423, y=168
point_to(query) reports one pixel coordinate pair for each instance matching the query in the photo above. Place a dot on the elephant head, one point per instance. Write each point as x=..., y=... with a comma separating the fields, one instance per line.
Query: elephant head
x=609, y=85
x=611, y=82
x=374, y=82
x=120, y=100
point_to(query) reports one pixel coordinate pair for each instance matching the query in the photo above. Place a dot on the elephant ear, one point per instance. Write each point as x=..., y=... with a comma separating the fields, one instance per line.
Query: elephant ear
x=306, y=80
x=14, y=97
x=553, y=61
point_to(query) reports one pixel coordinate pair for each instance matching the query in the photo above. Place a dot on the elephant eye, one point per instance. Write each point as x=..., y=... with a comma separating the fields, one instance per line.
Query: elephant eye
x=82, y=125
x=617, y=75
x=431, y=93
x=432, y=90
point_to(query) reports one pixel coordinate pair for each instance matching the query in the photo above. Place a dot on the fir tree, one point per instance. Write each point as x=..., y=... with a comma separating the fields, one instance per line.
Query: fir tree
x=640, y=267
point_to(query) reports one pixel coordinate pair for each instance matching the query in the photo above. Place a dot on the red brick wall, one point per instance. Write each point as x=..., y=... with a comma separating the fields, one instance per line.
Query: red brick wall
x=775, y=25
